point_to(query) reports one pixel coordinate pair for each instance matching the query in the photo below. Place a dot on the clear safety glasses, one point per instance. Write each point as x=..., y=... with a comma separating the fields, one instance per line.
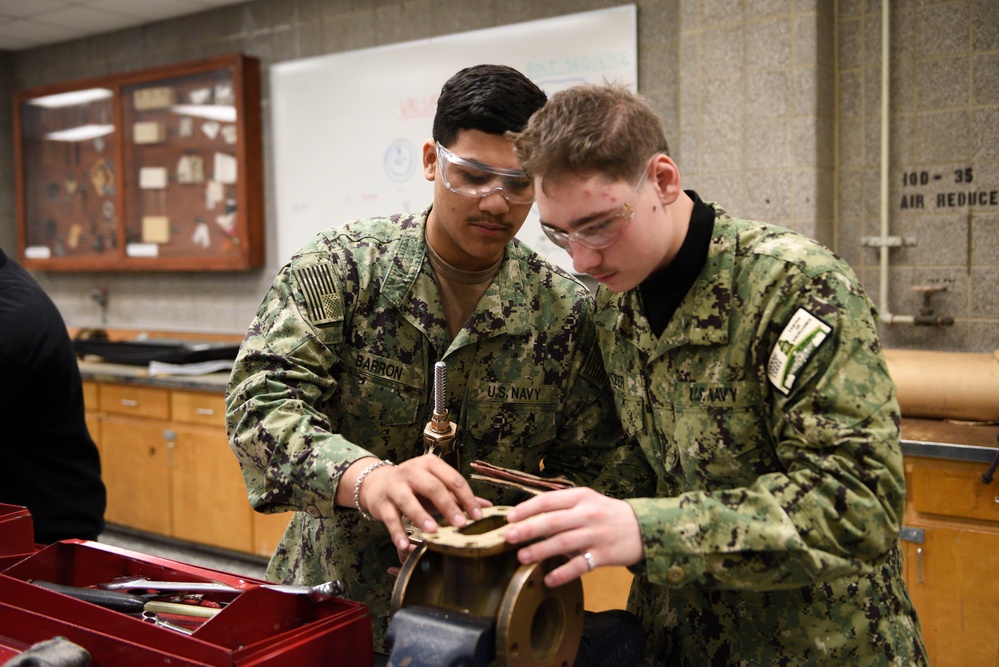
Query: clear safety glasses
x=600, y=233
x=475, y=179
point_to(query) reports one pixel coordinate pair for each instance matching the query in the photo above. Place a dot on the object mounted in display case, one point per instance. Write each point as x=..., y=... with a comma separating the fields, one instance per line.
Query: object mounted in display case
x=156, y=170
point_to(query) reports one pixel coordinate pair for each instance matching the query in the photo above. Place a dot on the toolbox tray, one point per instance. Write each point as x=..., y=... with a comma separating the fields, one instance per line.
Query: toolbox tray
x=142, y=352
x=259, y=626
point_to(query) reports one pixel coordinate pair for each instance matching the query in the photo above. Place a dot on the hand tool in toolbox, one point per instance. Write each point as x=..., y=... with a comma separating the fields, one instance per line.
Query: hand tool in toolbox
x=128, y=603
x=317, y=593
x=156, y=619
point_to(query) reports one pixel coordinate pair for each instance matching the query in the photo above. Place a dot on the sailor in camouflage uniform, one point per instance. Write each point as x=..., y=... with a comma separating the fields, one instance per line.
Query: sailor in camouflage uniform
x=745, y=362
x=335, y=375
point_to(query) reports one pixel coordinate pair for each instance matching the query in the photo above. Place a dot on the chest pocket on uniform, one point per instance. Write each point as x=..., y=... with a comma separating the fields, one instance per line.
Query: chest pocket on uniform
x=509, y=418
x=629, y=397
x=632, y=411
x=383, y=391
x=720, y=433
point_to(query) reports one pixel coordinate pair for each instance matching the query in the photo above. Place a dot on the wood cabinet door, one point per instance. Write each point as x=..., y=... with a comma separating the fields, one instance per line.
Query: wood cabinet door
x=209, y=497
x=134, y=459
x=94, y=428
x=606, y=588
x=952, y=579
x=268, y=529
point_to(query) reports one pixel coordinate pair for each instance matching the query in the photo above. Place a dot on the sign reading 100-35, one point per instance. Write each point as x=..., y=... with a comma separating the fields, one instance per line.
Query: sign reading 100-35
x=956, y=189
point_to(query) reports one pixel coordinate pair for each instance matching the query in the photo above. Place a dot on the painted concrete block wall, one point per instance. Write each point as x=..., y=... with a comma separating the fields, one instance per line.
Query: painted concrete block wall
x=772, y=108
x=943, y=173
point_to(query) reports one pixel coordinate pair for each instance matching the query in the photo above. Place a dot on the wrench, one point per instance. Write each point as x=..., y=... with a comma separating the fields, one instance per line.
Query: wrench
x=153, y=617
x=317, y=593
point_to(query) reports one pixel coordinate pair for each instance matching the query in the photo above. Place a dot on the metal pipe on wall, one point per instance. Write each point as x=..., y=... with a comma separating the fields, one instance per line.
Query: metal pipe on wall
x=886, y=315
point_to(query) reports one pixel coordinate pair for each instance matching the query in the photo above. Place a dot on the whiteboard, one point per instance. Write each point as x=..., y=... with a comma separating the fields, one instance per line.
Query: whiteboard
x=348, y=128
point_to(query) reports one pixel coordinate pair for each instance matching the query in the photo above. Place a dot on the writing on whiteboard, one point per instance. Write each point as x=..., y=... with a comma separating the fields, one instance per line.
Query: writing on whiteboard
x=376, y=107
x=411, y=108
x=577, y=64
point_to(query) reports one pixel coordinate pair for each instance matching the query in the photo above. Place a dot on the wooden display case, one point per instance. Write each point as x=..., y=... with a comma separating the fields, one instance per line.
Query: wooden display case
x=154, y=170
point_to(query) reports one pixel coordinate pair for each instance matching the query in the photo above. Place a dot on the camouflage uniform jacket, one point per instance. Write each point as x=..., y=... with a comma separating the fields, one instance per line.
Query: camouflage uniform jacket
x=767, y=414
x=338, y=365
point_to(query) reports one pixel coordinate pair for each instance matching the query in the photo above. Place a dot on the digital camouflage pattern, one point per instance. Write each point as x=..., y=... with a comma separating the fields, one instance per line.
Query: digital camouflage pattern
x=338, y=365
x=771, y=529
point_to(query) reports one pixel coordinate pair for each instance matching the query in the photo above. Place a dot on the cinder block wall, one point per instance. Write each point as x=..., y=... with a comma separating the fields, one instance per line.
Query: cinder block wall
x=944, y=146
x=772, y=109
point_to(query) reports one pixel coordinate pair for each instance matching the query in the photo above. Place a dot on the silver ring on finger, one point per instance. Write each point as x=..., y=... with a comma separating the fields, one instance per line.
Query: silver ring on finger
x=590, y=563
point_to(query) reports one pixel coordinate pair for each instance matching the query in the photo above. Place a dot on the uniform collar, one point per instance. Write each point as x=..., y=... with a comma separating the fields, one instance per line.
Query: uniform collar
x=702, y=318
x=409, y=284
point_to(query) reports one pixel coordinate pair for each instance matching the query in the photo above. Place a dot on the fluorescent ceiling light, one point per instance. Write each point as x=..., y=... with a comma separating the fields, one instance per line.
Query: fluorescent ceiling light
x=73, y=98
x=221, y=112
x=81, y=133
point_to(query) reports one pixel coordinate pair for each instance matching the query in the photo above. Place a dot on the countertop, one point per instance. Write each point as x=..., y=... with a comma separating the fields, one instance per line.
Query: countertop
x=942, y=439
x=100, y=371
x=933, y=438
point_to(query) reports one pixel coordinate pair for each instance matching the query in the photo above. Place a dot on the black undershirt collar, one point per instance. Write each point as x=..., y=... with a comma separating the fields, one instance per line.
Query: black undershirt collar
x=663, y=290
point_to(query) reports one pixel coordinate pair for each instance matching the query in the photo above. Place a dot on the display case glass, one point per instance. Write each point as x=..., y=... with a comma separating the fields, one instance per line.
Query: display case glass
x=153, y=170
x=69, y=148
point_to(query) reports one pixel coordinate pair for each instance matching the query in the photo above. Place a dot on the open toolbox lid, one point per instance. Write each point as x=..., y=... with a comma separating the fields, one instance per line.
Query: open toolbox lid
x=256, y=626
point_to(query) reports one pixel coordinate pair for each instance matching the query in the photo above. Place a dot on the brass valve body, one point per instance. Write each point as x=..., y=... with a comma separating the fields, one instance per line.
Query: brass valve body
x=472, y=570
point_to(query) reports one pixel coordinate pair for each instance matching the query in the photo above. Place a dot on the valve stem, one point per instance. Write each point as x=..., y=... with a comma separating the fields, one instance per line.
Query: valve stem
x=439, y=434
x=440, y=388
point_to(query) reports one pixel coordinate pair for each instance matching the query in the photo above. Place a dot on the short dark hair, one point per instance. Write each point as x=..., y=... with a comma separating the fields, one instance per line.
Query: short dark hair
x=606, y=129
x=490, y=98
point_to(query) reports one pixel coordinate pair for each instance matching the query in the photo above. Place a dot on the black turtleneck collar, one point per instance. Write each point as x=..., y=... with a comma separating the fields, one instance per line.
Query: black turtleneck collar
x=663, y=291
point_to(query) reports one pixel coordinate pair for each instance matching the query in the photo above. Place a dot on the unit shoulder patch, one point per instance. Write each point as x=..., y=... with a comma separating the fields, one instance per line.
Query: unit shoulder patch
x=801, y=337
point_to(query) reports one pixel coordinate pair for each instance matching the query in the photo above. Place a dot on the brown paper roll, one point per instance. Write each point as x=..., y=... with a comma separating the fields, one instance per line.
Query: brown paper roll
x=946, y=385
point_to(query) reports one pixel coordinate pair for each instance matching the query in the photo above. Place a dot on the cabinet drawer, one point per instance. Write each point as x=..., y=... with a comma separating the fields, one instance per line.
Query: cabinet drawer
x=121, y=399
x=952, y=488
x=197, y=407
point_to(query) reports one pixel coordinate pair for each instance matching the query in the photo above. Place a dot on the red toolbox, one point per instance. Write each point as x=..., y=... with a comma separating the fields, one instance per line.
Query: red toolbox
x=255, y=626
x=17, y=534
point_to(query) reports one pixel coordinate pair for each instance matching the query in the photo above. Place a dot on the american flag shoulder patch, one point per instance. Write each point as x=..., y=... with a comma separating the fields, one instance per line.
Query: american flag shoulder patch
x=593, y=366
x=322, y=300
